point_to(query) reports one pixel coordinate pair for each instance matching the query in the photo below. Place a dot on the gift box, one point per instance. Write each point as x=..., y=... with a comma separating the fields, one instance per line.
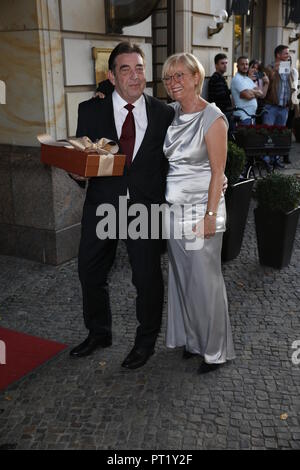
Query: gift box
x=82, y=157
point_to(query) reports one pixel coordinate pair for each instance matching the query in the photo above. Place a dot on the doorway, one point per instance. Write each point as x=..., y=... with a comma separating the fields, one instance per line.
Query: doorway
x=249, y=32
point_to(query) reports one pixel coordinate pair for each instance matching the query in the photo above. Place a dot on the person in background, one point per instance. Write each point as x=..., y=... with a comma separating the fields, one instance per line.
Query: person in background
x=218, y=91
x=294, y=109
x=294, y=94
x=257, y=75
x=279, y=94
x=261, y=81
x=244, y=92
x=104, y=89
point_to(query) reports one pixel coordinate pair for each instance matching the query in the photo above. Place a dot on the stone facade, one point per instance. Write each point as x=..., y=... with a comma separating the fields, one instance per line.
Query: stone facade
x=40, y=208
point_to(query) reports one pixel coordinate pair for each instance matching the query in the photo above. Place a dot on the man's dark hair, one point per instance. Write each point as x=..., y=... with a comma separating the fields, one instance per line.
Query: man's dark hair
x=219, y=57
x=123, y=48
x=279, y=49
x=242, y=57
x=105, y=87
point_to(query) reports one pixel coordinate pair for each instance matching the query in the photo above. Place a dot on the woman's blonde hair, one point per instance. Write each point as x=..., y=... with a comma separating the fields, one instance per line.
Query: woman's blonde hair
x=192, y=64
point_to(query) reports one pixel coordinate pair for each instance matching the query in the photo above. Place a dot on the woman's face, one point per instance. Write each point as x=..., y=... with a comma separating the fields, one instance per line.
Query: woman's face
x=180, y=83
x=254, y=67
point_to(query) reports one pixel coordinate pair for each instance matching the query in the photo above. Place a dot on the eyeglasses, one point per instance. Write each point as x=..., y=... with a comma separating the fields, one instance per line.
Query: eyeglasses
x=178, y=77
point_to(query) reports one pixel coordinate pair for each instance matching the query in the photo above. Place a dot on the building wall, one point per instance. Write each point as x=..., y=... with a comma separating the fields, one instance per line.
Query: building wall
x=83, y=27
x=206, y=48
x=47, y=65
x=193, y=17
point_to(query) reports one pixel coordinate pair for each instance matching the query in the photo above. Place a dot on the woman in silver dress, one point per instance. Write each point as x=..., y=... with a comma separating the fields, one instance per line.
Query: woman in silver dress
x=196, y=148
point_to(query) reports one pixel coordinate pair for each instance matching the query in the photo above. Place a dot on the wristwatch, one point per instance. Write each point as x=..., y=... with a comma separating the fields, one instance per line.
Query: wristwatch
x=211, y=214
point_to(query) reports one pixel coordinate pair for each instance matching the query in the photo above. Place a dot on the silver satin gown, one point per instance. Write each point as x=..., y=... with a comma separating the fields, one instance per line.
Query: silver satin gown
x=197, y=301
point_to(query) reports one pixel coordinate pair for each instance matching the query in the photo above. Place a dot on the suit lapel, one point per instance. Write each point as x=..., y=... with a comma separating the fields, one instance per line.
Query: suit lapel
x=151, y=123
x=106, y=120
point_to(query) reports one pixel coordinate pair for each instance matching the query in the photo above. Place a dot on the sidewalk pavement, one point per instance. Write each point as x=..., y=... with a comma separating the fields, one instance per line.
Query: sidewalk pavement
x=92, y=403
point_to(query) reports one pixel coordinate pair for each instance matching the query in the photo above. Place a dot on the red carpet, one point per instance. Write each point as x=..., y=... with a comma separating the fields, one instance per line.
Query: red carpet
x=21, y=353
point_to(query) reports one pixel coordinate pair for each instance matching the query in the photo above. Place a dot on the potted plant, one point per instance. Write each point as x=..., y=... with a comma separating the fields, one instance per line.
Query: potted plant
x=296, y=128
x=237, y=197
x=296, y=120
x=276, y=218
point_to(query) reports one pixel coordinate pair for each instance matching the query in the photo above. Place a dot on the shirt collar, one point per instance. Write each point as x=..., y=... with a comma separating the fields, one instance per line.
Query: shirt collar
x=243, y=76
x=120, y=103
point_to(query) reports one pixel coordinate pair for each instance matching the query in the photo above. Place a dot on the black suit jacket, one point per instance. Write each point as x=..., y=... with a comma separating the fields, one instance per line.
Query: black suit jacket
x=147, y=174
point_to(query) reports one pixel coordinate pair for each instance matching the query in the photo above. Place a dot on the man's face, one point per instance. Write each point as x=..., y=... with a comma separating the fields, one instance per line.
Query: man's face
x=221, y=66
x=283, y=56
x=243, y=66
x=129, y=76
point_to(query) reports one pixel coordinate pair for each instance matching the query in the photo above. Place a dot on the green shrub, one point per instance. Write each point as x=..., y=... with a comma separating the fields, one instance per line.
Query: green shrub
x=236, y=161
x=278, y=193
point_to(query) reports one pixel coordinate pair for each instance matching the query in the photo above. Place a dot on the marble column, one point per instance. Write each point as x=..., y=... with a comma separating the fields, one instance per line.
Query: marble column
x=183, y=25
x=274, y=28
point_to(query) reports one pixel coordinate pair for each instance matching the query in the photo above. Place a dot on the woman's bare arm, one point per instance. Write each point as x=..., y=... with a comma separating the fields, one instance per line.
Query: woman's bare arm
x=216, y=142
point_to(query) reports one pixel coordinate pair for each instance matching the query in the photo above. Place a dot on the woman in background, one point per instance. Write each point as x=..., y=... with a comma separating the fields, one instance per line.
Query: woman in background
x=259, y=77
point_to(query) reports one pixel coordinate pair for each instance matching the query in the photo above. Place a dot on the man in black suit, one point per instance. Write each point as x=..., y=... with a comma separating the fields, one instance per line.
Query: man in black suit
x=138, y=123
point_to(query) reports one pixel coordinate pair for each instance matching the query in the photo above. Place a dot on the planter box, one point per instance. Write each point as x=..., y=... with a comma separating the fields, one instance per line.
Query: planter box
x=259, y=144
x=296, y=129
x=275, y=233
x=238, y=197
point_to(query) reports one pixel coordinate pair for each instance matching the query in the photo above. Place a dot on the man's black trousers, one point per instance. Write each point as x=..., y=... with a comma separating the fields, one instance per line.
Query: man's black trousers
x=95, y=260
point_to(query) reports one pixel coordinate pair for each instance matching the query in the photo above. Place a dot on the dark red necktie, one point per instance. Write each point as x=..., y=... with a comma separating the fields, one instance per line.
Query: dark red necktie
x=127, y=139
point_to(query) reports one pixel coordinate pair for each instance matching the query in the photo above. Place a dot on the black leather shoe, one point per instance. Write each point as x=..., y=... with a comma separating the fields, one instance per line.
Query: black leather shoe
x=205, y=368
x=188, y=355
x=89, y=345
x=137, y=358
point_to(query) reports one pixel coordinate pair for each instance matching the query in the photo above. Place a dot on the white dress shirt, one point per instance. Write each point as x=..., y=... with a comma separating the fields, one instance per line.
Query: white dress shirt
x=140, y=118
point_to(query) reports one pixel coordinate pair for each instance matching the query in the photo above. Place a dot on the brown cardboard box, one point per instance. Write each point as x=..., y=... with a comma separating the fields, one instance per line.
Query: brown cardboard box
x=83, y=163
